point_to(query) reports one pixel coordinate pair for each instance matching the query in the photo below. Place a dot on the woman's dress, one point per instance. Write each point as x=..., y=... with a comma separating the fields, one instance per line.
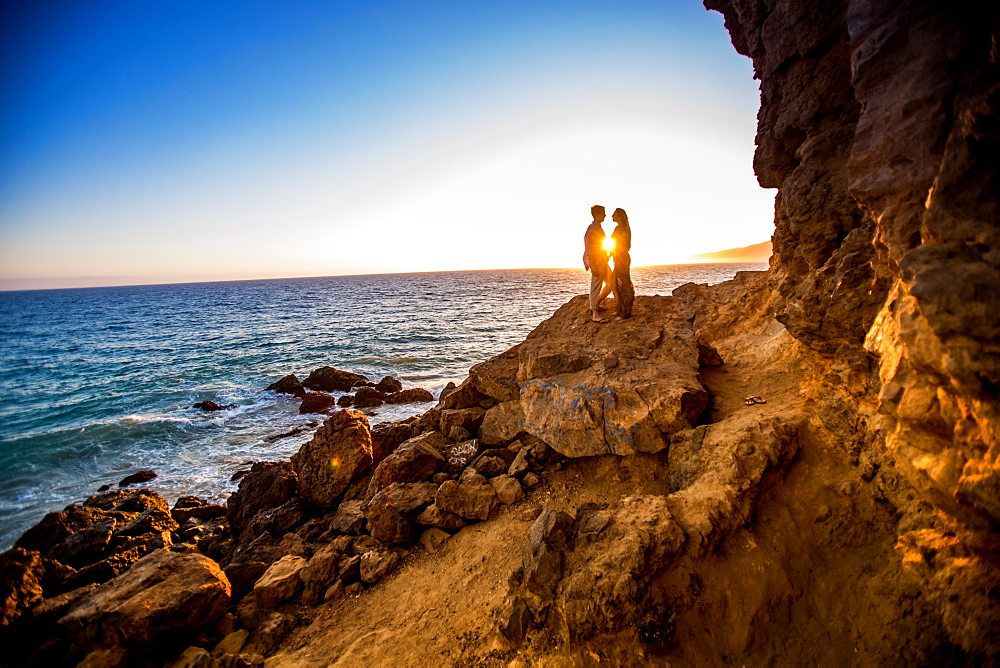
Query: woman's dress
x=624, y=292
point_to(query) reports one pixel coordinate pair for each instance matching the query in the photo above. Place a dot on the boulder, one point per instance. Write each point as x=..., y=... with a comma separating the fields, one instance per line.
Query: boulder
x=163, y=593
x=415, y=460
x=288, y=385
x=520, y=464
x=502, y=423
x=446, y=390
x=386, y=437
x=389, y=385
x=211, y=406
x=267, y=486
x=321, y=571
x=468, y=419
x=376, y=564
x=349, y=518
x=316, y=402
x=497, y=376
x=489, y=466
x=328, y=379
x=368, y=397
x=471, y=501
x=203, y=512
x=339, y=453
x=464, y=396
x=460, y=455
x=345, y=401
x=433, y=516
x=391, y=512
x=413, y=395
x=508, y=489
x=137, y=477
x=280, y=582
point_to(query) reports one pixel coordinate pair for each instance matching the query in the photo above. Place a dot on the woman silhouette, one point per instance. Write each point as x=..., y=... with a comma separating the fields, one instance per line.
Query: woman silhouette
x=624, y=292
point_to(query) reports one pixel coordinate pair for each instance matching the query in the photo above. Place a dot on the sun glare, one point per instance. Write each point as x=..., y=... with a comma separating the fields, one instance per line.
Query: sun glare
x=609, y=244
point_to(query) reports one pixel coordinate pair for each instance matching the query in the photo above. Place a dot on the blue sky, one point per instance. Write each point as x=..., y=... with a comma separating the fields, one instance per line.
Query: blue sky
x=179, y=140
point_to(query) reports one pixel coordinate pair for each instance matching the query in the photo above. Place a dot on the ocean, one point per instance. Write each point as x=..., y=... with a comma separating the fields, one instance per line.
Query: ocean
x=99, y=382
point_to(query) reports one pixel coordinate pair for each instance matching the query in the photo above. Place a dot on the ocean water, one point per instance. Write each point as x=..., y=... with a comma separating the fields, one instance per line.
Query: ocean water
x=98, y=382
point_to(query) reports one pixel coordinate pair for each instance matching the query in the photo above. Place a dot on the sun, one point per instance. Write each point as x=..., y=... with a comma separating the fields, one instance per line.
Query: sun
x=609, y=244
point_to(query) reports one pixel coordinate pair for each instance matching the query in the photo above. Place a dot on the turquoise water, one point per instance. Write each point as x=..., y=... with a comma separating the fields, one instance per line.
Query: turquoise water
x=99, y=382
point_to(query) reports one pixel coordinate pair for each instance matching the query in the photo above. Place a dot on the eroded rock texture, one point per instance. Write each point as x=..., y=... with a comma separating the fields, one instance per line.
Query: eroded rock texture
x=880, y=126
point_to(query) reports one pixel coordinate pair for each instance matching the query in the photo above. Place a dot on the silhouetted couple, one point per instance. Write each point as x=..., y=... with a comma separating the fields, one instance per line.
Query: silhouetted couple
x=604, y=279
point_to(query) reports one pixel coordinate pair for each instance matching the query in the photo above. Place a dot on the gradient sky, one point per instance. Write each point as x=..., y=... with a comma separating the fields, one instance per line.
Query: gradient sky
x=181, y=140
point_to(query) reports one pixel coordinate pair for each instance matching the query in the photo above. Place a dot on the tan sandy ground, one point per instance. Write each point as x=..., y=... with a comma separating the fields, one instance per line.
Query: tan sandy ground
x=436, y=608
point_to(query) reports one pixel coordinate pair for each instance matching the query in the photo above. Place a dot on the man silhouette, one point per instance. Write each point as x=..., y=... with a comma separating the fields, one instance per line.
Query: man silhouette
x=595, y=258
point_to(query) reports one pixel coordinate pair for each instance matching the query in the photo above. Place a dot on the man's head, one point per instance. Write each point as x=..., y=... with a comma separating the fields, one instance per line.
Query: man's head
x=597, y=211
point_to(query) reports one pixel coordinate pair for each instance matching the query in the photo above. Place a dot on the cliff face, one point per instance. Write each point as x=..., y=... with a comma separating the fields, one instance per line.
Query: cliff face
x=880, y=125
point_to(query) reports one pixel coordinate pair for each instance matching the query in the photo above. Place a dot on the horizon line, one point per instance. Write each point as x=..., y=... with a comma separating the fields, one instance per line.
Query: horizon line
x=288, y=278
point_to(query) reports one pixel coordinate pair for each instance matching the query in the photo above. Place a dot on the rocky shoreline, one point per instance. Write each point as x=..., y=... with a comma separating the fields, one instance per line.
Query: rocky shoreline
x=851, y=519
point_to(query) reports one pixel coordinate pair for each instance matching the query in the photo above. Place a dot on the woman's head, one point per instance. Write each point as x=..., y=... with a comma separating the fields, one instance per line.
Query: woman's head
x=619, y=216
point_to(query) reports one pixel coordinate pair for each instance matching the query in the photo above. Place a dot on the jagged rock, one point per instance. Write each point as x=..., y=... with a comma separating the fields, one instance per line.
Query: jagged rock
x=388, y=436
x=57, y=527
x=468, y=419
x=497, y=376
x=446, y=390
x=137, y=477
x=460, y=455
x=464, y=396
x=543, y=557
x=21, y=573
x=368, y=397
x=321, y=571
x=345, y=401
x=531, y=480
x=267, y=486
x=329, y=379
x=489, y=466
x=433, y=516
x=502, y=423
x=414, y=395
x=708, y=355
x=350, y=569
x=243, y=574
x=153, y=520
x=280, y=582
x=457, y=434
x=339, y=453
x=316, y=402
x=471, y=501
x=376, y=564
x=288, y=385
x=508, y=489
x=162, y=593
x=389, y=385
x=274, y=521
x=203, y=512
x=350, y=518
x=415, y=460
x=520, y=464
x=391, y=512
